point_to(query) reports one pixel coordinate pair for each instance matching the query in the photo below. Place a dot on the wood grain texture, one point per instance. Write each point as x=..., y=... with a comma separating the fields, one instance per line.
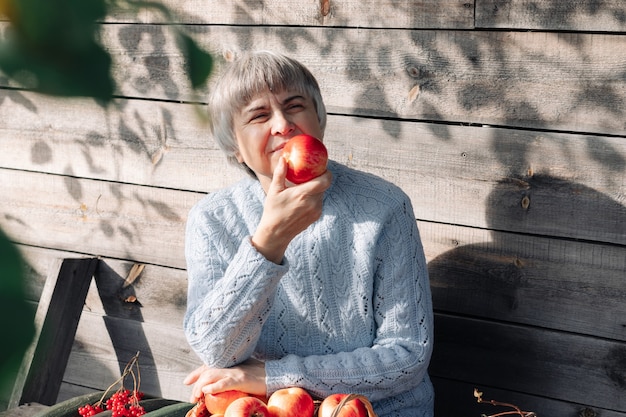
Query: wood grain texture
x=456, y=399
x=158, y=296
x=564, y=285
x=563, y=81
x=474, y=176
x=558, y=366
x=37, y=265
x=534, y=361
x=104, y=345
x=146, y=224
x=583, y=15
x=452, y=14
x=482, y=176
x=560, y=81
x=109, y=219
x=133, y=141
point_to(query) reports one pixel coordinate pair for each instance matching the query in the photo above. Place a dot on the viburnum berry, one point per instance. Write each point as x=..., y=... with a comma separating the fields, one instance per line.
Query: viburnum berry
x=122, y=403
x=136, y=411
x=89, y=410
x=125, y=403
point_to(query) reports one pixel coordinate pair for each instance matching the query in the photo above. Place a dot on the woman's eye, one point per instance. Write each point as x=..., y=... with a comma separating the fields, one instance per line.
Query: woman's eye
x=258, y=117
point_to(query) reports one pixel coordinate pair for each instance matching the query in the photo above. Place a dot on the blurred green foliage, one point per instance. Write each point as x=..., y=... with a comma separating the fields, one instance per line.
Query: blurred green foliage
x=16, y=315
x=52, y=46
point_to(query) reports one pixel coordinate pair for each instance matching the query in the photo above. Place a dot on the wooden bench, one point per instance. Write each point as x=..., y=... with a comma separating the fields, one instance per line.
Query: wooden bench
x=91, y=321
x=60, y=306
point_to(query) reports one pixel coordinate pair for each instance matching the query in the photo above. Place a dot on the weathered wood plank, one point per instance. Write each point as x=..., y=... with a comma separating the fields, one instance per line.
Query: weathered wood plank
x=582, y=15
x=526, y=182
x=560, y=366
x=157, y=296
x=450, y=14
x=456, y=399
x=548, y=80
x=487, y=274
x=71, y=390
x=167, y=145
x=56, y=320
x=103, y=347
x=556, y=366
x=564, y=81
x=160, y=292
x=146, y=224
x=565, y=285
x=476, y=176
x=135, y=141
x=38, y=263
x=502, y=276
x=101, y=218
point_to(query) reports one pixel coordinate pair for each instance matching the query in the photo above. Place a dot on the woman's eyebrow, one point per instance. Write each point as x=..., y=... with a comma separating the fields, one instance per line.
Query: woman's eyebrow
x=294, y=97
x=262, y=106
x=253, y=108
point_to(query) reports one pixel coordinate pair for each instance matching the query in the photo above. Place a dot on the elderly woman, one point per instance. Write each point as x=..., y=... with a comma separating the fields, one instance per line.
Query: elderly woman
x=321, y=285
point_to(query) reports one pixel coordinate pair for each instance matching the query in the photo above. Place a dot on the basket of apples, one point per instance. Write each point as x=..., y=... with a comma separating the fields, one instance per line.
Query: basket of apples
x=286, y=402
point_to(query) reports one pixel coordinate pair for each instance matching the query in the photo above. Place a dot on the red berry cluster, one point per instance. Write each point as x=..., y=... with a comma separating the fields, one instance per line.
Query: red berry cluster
x=123, y=403
x=89, y=410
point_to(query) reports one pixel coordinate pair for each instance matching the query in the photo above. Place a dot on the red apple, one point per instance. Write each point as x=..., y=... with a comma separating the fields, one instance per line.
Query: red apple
x=198, y=410
x=247, y=407
x=306, y=157
x=353, y=408
x=217, y=403
x=291, y=402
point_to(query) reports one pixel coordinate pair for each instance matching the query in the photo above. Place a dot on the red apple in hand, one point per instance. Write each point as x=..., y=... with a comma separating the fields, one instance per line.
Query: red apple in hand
x=353, y=408
x=306, y=157
x=218, y=402
x=247, y=407
x=291, y=402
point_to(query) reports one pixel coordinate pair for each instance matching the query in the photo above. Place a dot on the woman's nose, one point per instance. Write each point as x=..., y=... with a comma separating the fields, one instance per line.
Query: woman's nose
x=281, y=124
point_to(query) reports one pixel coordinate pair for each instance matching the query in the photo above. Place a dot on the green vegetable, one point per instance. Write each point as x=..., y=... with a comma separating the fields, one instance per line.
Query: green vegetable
x=174, y=410
x=69, y=408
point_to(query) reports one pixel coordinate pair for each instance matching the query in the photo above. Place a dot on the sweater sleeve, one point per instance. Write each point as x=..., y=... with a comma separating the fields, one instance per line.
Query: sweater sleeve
x=398, y=359
x=230, y=290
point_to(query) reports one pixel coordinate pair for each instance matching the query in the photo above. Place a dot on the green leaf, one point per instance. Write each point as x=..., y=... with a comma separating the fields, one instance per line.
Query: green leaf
x=16, y=316
x=199, y=62
x=52, y=47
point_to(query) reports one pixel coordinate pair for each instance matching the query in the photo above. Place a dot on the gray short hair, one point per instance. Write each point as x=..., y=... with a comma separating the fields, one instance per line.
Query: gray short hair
x=245, y=77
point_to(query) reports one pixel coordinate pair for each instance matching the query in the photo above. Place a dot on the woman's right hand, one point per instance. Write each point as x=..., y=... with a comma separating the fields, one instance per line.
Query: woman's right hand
x=289, y=209
x=248, y=377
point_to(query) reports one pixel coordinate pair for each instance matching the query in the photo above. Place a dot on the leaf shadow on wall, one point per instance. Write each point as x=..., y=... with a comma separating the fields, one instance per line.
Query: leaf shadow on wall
x=123, y=318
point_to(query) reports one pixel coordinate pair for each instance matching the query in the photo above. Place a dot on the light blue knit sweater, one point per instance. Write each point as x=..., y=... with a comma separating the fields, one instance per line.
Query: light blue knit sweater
x=349, y=310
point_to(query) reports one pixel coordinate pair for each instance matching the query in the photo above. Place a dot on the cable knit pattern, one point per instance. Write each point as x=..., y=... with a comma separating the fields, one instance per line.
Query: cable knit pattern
x=349, y=309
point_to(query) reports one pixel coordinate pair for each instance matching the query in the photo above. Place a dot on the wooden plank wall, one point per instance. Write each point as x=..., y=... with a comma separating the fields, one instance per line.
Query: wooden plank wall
x=505, y=122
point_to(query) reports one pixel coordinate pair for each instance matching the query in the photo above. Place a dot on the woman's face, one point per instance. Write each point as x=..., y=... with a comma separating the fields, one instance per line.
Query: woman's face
x=266, y=123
